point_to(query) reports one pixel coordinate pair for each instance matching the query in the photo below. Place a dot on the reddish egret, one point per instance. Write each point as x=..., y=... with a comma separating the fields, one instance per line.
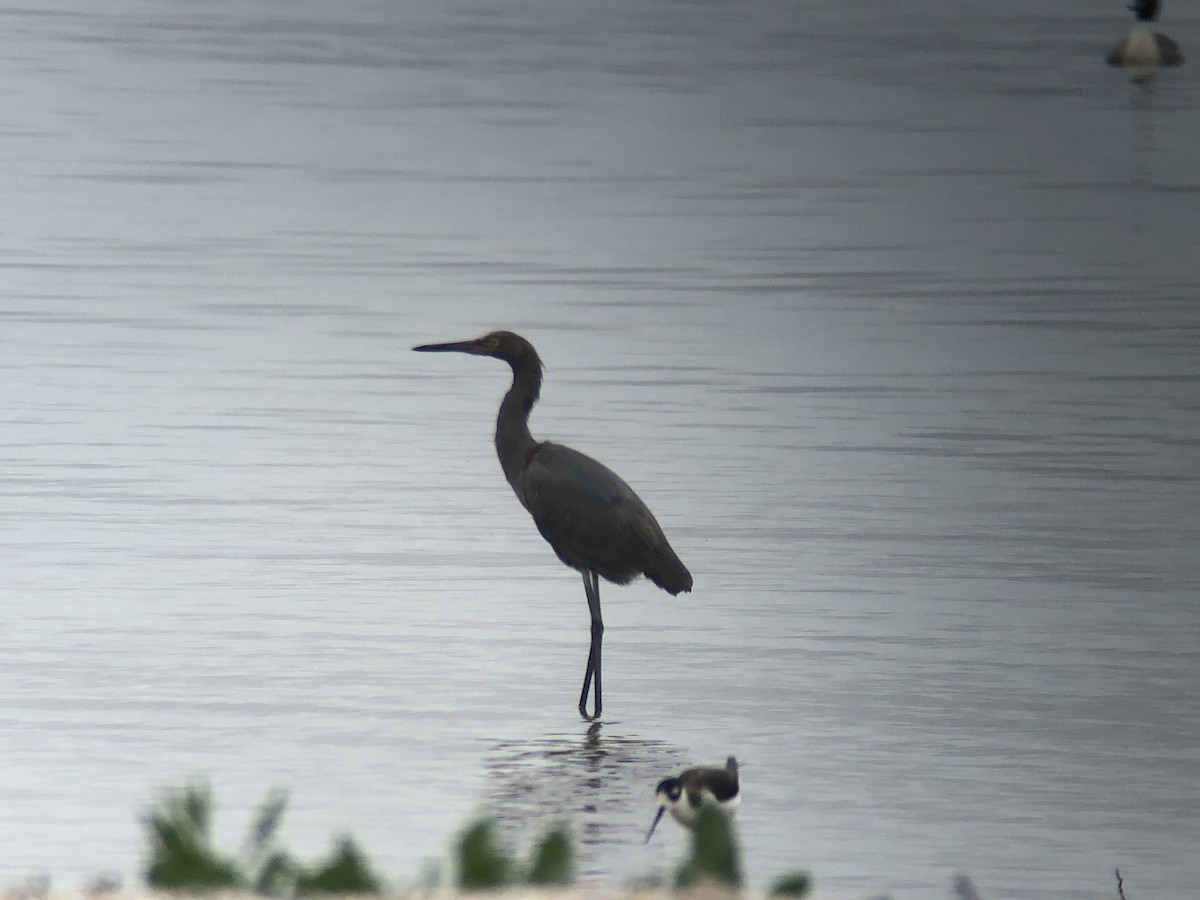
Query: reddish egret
x=685, y=795
x=590, y=517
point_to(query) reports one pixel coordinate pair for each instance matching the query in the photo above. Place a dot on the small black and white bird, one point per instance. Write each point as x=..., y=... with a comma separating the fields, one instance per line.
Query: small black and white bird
x=1144, y=48
x=686, y=795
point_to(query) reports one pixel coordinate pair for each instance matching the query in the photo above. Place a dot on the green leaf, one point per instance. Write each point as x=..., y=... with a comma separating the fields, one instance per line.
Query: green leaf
x=481, y=862
x=181, y=856
x=270, y=814
x=553, y=859
x=791, y=884
x=278, y=874
x=194, y=806
x=714, y=853
x=345, y=872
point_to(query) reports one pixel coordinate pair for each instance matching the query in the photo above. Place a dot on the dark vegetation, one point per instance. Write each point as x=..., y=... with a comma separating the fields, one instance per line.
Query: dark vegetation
x=182, y=856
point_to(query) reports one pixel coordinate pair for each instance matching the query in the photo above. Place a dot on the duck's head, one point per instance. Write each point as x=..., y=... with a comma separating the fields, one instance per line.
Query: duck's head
x=1145, y=10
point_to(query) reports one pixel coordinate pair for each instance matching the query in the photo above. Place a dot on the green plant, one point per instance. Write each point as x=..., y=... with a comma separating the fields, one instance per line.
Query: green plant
x=791, y=884
x=714, y=855
x=346, y=871
x=482, y=863
x=553, y=860
x=183, y=858
x=181, y=853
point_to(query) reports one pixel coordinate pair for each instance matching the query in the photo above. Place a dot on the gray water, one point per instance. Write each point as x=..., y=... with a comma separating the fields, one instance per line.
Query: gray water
x=891, y=312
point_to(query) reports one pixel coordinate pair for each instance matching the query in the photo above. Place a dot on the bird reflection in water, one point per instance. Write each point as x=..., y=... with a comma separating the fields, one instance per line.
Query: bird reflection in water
x=602, y=784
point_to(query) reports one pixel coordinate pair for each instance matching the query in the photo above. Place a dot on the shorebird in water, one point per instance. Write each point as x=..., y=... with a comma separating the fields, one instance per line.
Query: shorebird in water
x=687, y=794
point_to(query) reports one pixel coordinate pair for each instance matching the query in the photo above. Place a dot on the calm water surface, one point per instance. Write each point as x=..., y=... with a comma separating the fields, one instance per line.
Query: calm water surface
x=891, y=316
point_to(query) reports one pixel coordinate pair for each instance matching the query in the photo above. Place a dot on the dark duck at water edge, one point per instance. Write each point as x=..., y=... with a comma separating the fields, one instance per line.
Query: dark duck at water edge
x=685, y=795
x=1144, y=47
x=592, y=519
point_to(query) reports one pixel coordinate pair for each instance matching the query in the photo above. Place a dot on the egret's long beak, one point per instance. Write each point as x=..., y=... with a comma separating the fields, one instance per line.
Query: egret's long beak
x=453, y=347
x=654, y=824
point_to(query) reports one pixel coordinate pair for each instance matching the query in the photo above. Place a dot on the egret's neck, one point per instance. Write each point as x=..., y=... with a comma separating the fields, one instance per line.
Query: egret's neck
x=514, y=443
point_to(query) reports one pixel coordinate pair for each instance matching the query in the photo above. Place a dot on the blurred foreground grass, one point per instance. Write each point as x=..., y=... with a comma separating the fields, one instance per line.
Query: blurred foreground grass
x=183, y=858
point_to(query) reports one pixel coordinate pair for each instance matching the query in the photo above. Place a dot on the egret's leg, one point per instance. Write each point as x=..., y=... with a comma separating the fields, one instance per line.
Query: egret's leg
x=591, y=585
